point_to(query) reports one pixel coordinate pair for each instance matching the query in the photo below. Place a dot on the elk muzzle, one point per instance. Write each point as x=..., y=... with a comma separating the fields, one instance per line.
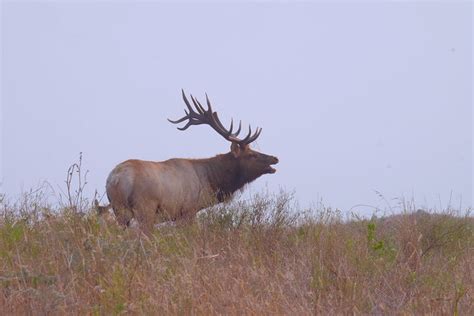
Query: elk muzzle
x=271, y=161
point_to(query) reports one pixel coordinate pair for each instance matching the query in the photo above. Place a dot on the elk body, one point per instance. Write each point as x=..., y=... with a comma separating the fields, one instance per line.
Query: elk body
x=175, y=189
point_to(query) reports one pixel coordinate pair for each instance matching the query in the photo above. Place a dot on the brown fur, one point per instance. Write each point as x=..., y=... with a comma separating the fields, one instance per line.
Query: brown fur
x=174, y=189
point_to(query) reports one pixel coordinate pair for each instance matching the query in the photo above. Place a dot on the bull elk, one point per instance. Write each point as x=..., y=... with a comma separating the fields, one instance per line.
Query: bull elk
x=178, y=188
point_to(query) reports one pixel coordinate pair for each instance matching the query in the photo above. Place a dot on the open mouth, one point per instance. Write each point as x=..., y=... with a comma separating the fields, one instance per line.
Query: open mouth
x=270, y=169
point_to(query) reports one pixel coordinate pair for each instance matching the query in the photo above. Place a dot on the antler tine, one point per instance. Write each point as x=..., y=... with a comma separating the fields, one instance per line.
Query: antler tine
x=186, y=126
x=215, y=119
x=187, y=102
x=197, y=105
x=226, y=132
x=255, y=136
x=184, y=118
x=178, y=121
x=251, y=138
x=231, y=126
x=209, y=107
x=239, y=129
x=248, y=135
x=214, y=116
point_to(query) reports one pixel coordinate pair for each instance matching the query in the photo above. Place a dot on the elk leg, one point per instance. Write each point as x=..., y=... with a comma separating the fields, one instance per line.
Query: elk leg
x=123, y=216
x=186, y=219
x=145, y=217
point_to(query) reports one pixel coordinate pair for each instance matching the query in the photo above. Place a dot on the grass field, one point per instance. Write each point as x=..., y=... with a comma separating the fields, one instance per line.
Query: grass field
x=263, y=256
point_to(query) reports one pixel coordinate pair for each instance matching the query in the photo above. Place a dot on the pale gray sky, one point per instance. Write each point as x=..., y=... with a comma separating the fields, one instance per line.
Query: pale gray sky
x=353, y=98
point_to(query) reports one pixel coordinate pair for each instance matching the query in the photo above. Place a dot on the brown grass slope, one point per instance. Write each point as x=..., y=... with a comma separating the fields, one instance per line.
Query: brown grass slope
x=254, y=257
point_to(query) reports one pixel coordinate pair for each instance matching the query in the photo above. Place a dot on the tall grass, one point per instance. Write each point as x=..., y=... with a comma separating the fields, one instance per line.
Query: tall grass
x=260, y=256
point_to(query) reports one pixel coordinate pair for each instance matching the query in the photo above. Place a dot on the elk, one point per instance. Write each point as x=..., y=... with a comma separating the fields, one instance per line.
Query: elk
x=176, y=189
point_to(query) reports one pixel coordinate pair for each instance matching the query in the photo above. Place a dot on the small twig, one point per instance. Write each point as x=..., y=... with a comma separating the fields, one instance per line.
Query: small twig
x=209, y=257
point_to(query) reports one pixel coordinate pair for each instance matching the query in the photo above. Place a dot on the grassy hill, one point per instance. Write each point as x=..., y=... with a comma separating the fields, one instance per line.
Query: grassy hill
x=262, y=256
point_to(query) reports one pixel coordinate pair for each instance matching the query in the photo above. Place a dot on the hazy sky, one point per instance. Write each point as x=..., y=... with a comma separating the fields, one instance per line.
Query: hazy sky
x=353, y=98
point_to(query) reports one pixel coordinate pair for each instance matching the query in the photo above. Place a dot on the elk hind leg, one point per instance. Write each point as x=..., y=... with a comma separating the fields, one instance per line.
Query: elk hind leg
x=145, y=217
x=124, y=216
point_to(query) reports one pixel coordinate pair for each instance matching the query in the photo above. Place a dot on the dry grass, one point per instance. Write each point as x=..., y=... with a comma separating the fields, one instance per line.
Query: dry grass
x=254, y=257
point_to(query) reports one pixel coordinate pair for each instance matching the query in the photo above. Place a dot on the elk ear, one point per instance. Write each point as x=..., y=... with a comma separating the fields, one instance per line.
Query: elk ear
x=235, y=149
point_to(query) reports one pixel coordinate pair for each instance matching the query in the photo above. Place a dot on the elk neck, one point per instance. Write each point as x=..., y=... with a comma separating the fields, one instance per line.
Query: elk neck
x=224, y=175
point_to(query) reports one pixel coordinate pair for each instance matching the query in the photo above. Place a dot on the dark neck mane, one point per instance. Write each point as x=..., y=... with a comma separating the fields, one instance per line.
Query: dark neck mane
x=224, y=175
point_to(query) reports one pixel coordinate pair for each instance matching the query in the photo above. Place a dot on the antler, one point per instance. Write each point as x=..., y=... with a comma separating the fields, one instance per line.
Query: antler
x=200, y=116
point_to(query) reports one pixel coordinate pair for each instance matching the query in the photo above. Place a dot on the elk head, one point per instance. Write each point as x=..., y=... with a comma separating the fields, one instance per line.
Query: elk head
x=252, y=164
